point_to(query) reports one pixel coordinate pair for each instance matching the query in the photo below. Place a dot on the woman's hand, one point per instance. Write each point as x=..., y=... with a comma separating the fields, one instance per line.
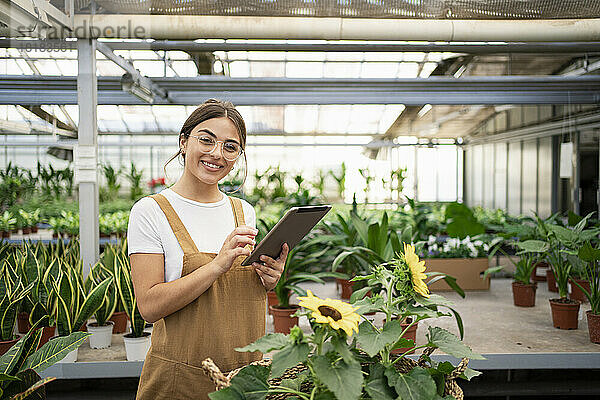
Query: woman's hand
x=235, y=246
x=271, y=270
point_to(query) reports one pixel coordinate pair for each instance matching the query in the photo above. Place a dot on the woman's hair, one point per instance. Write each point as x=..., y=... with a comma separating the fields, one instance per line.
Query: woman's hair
x=211, y=108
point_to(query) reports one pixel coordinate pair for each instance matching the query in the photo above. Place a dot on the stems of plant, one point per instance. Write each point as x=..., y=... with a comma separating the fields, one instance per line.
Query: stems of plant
x=406, y=352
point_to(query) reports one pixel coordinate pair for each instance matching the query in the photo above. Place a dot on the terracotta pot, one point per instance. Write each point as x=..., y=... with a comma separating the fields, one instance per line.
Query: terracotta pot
x=564, y=314
x=47, y=333
x=593, y=326
x=23, y=325
x=5, y=234
x=576, y=293
x=410, y=334
x=6, y=345
x=541, y=277
x=551, y=281
x=34, y=229
x=104, y=235
x=345, y=286
x=54, y=235
x=120, y=320
x=524, y=295
x=282, y=318
x=83, y=328
x=26, y=231
x=272, y=300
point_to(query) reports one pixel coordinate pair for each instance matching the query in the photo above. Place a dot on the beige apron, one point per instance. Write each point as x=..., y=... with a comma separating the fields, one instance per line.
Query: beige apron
x=229, y=314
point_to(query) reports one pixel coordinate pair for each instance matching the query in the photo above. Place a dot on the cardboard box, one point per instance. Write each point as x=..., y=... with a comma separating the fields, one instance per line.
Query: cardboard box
x=467, y=271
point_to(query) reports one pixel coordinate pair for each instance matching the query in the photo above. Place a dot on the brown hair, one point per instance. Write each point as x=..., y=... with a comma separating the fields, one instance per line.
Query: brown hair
x=212, y=108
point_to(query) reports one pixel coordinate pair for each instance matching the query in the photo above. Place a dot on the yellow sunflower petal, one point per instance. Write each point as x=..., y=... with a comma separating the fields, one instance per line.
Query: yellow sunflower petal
x=346, y=318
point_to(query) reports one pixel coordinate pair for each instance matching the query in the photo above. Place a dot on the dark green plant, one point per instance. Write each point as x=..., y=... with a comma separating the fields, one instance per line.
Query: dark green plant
x=122, y=274
x=304, y=255
x=461, y=221
x=134, y=176
x=21, y=365
x=111, y=175
x=99, y=274
x=590, y=256
x=12, y=292
x=75, y=306
x=7, y=221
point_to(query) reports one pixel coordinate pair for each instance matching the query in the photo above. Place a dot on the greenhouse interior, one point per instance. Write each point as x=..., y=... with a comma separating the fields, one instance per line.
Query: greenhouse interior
x=413, y=199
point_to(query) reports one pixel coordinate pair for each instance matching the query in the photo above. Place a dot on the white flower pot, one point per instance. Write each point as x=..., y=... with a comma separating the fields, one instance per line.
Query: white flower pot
x=101, y=335
x=71, y=357
x=136, y=348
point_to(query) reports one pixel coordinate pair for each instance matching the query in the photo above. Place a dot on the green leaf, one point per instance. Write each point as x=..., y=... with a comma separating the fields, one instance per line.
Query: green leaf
x=9, y=360
x=92, y=302
x=54, y=351
x=344, y=380
x=450, y=344
x=533, y=246
x=588, y=253
x=378, y=389
x=267, y=343
x=249, y=384
x=341, y=347
x=415, y=385
x=30, y=386
x=288, y=357
x=295, y=383
x=372, y=342
x=359, y=294
x=470, y=374
x=5, y=377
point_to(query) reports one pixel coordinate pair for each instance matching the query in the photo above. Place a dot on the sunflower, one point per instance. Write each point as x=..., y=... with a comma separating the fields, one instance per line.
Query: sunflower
x=417, y=269
x=336, y=313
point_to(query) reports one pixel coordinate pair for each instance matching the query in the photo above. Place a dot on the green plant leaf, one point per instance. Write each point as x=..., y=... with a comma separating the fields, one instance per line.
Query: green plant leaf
x=5, y=377
x=533, y=246
x=470, y=374
x=92, y=302
x=344, y=380
x=249, y=384
x=341, y=347
x=267, y=343
x=588, y=253
x=9, y=360
x=450, y=344
x=415, y=385
x=32, y=386
x=372, y=342
x=288, y=357
x=54, y=351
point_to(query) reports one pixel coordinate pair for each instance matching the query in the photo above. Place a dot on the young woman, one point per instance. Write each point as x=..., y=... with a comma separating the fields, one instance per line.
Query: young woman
x=186, y=245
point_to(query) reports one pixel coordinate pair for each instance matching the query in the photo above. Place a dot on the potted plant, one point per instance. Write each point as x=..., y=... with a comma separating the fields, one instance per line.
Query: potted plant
x=22, y=364
x=555, y=242
x=102, y=329
x=7, y=224
x=137, y=342
x=578, y=278
x=523, y=285
x=12, y=292
x=324, y=364
x=73, y=306
x=134, y=176
x=590, y=256
x=108, y=258
x=304, y=254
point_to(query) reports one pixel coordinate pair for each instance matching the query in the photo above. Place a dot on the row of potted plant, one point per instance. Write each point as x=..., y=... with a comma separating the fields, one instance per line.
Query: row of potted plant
x=572, y=254
x=46, y=283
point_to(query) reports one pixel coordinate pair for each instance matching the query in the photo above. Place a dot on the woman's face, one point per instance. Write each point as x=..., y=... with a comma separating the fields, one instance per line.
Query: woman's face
x=210, y=168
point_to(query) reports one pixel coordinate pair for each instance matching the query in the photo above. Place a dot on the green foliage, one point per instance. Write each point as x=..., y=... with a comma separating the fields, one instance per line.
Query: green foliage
x=461, y=221
x=340, y=179
x=134, y=176
x=99, y=274
x=21, y=365
x=590, y=256
x=7, y=221
x=122, y=276
x=12, y=292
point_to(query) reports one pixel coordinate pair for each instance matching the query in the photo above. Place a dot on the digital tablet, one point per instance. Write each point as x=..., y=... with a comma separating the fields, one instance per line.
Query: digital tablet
x=290, y=229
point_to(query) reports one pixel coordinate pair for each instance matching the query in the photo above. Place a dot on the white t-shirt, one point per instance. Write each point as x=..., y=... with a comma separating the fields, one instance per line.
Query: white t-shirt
x=207, y=223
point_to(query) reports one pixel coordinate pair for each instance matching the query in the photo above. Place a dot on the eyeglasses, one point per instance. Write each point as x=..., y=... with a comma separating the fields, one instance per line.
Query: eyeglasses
x=230, y=150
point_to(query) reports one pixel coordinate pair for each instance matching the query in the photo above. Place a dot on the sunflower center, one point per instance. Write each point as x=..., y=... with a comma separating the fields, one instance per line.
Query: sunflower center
x=330, y=312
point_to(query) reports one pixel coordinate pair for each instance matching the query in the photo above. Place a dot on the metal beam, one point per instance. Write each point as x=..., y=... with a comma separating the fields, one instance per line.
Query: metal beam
x=138, y=78
x=332, y=46
x=30, y=90
x=547, y=129
x=86, y=153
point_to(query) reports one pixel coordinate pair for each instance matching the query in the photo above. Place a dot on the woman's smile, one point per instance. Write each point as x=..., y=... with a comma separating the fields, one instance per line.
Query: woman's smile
x=211, y=166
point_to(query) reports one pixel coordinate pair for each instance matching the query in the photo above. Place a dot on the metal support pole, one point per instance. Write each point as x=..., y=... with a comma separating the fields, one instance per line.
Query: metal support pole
x=576, y=176
x=86, y=154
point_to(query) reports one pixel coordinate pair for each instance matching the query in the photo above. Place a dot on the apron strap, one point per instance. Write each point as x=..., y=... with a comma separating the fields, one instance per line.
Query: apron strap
x=238, y=211
x=181, y=233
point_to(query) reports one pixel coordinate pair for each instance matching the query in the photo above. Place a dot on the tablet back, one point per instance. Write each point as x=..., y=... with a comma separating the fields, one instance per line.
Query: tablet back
x=290, y=229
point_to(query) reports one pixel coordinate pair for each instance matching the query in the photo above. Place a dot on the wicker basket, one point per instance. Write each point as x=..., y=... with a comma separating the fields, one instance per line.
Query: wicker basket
x=405, y=365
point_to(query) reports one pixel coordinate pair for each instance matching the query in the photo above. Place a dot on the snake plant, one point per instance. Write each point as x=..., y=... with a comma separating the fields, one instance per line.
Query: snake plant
x=12, y=292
